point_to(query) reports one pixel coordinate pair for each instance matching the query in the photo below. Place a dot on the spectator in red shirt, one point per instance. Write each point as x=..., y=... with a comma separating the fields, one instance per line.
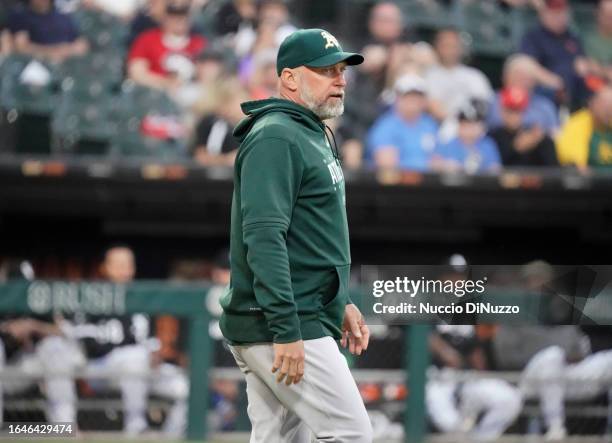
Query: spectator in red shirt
x=163, y=58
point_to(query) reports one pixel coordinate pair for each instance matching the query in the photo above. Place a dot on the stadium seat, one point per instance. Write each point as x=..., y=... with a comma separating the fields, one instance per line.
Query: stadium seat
x=85, y=89
x=99, y=66
x=583, y=18
x=128, y=141
x=134, y=104
x=103, y=31
x=8, y=127
x=26, y=108
x=84, y=121
x=83, y=124
x=4, y=13
x=427, y=13
x=489, y=26
x=523, y=20
x=140, y=101
x=26, y=98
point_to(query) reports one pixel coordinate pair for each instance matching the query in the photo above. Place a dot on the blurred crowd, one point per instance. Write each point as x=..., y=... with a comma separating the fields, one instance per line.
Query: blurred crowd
x=413, y=105
x=435, y=113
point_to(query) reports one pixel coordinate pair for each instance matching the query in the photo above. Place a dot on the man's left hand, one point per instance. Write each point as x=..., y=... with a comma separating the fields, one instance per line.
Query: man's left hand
x=355, y=332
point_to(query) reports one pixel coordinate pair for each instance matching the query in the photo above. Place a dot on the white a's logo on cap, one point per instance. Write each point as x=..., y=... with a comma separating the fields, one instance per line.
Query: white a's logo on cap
x=330, y=40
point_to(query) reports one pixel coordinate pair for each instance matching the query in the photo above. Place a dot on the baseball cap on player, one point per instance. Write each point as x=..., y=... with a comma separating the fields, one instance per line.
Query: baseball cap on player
x=313, y=48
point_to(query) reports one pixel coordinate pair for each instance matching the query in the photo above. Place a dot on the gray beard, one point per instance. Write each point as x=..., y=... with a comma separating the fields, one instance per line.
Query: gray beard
x=322, y=110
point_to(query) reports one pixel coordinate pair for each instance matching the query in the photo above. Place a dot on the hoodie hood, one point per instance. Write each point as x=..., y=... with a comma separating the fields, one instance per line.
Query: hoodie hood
x=254, y=110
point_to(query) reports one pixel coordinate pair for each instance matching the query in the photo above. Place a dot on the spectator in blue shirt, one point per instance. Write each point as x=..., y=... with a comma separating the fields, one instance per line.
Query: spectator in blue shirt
x=522, y=71
x=41, y=31
x=559, y=51
x=471, y=151
x=405, y=136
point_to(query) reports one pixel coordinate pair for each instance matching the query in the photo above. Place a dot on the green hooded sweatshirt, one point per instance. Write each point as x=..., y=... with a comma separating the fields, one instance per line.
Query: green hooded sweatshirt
x=289, y=245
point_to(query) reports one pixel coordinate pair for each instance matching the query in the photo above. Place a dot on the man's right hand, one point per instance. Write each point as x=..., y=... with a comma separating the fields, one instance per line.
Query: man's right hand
x=289, y=361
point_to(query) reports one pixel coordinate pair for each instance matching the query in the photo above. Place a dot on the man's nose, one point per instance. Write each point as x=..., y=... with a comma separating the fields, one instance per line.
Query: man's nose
x=340, y=79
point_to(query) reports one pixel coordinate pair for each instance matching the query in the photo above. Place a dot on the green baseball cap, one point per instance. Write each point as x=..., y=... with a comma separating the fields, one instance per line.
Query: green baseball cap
x=314, y=48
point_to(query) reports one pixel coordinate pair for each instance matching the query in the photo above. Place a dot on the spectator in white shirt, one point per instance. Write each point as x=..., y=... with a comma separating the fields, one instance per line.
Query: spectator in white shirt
x=451, y=83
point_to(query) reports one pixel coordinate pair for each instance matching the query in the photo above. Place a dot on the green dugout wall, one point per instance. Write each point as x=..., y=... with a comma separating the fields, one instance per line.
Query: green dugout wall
x=187, y=301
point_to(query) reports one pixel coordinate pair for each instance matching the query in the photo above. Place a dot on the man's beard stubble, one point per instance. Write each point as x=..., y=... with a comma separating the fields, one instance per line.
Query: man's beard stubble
x=323, y=110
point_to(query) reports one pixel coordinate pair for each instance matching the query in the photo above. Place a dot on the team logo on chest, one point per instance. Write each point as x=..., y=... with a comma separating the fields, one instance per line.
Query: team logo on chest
x=335, y=171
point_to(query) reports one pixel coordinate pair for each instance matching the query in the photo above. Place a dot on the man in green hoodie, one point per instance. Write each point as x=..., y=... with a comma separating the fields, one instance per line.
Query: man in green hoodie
x=288, y=302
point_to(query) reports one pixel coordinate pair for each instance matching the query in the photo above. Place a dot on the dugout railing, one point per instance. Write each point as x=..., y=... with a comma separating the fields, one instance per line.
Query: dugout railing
x=100, y=298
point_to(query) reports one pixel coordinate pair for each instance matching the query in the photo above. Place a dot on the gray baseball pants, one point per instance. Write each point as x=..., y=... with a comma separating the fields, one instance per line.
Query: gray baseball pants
x=324, y=407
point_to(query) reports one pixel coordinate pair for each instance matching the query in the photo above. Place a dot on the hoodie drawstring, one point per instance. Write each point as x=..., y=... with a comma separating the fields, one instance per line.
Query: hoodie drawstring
x=334, y=145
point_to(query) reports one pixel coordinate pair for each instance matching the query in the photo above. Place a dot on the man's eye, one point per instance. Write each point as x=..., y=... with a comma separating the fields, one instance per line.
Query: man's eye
x=331, y=71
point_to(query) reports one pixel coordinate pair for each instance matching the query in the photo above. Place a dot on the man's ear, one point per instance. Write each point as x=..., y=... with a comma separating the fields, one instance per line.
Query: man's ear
x=289, y=79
